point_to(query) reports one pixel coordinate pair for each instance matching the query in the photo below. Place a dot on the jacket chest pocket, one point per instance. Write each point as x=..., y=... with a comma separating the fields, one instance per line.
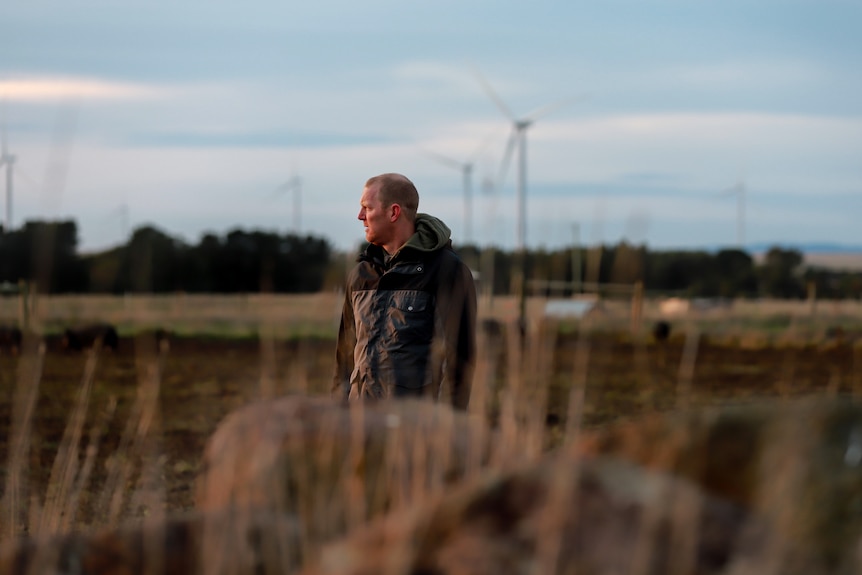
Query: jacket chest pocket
x=411, y=315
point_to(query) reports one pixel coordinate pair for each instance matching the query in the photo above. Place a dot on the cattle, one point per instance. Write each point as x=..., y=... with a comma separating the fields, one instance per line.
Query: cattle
x=86, y=337
x=10, y=338
x=661, y=331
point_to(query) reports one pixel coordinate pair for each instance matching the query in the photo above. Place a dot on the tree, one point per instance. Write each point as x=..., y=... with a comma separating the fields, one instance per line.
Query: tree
x=779, y=274
x=44, y=252
x=688, y=273
x=736, y=274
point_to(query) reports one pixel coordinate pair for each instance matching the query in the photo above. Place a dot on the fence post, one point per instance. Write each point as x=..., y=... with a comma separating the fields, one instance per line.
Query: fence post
x=637, y=307
x=812, y=297
x=23, y=305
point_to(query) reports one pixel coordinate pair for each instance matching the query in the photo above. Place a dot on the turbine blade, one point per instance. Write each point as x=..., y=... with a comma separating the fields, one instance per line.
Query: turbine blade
x=507, y=157
x=443, y=159
x=483, y=145
x=735, y=189
x=282, y=189
x=553, y=107
x=493, y=95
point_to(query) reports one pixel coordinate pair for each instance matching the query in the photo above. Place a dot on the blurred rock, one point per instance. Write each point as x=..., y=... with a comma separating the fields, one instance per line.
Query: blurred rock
x=191, y=544
x=600, y=517
x=312, y=486
x=334, y=465
x=796, y=464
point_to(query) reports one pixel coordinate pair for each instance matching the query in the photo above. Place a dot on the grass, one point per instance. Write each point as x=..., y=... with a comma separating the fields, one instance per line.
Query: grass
x=110, y=463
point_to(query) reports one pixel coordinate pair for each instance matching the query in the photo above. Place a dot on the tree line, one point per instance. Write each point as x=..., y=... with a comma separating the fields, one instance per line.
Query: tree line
x=726, y=273
x=155, y=262
x=252, y=261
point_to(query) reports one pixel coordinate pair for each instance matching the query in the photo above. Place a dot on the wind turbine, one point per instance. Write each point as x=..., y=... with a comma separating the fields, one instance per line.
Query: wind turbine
x=486, y=266
x=294, y=185
x=466, y=169
x=518, y=138
x=7, y=161
x=739, y=190
x=122, y=212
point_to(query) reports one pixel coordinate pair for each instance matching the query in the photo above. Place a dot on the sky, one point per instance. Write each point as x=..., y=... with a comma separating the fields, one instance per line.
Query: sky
x=670, y=123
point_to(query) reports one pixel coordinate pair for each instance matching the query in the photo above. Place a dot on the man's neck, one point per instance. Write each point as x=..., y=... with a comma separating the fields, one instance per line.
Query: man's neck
x=390, y=250
x=398, y=242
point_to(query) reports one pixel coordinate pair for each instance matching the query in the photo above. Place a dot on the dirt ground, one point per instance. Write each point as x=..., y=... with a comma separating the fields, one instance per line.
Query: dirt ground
x=201, y=380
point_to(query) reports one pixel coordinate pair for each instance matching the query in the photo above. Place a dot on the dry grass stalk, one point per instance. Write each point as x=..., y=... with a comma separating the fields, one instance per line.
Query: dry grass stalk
x=75, y=494
x=267, y=364
x=536, y=373
x=685, y=376
x=416, y=475
x=65, y=467
x=24, y=405
x=355, y=487
x=133, y=442
x=857, y=369
x=508, y=398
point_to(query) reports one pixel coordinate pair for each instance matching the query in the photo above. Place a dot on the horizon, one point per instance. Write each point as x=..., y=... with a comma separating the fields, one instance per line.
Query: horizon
x=808, y=248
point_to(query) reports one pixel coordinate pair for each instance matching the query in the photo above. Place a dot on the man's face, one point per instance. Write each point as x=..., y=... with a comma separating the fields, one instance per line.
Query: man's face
x=378, y=225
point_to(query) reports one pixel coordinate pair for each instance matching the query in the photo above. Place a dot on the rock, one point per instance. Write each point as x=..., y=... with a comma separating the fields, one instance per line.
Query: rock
x=333, y=465
x=796, y=464
x=310, y=486
x=191, y=544
x=562, y=515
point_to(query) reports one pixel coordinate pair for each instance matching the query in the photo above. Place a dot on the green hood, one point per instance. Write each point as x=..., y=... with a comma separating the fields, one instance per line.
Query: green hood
x=431, y=234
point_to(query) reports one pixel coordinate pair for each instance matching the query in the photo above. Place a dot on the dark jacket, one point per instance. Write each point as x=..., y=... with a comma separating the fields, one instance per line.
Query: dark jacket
x=408, y=324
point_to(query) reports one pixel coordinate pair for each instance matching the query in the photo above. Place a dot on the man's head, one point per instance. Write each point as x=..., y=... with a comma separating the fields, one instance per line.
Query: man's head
x=388, y=210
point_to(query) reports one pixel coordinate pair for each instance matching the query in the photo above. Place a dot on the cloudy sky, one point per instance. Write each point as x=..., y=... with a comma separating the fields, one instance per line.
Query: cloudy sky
x=650, y=117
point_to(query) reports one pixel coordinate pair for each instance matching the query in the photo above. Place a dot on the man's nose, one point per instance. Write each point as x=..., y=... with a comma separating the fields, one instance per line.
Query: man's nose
x=360, y=215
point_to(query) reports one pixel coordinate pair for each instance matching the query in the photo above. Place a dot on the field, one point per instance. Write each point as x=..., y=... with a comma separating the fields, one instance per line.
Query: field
x=156, y=402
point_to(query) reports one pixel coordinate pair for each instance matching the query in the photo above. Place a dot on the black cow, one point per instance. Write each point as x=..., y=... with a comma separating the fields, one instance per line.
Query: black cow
x=10, y=338
x=661, y=331
x=85, y=337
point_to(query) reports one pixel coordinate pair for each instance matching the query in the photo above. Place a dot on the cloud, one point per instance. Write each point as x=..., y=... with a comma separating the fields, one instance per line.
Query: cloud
x=69, y=87
x=783, y=152
x=744, y=75
x=443, y=76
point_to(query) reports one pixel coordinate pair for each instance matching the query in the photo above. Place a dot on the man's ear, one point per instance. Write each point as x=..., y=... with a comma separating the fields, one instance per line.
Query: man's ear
x=394, y=213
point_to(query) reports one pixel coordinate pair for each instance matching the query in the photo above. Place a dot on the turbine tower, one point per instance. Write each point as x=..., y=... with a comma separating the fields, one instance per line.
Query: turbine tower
x=294, y=185
x=466, y=169
x=518, y=138
x=739, y=190
x=122, y=212
x=7, y=161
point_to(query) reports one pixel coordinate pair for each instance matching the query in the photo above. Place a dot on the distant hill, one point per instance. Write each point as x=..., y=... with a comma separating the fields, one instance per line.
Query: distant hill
x=808, y=248
x=820, y=255
x=844, y=261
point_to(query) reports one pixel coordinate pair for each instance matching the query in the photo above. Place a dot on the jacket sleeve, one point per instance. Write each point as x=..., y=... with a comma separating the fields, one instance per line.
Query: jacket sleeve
x=458, y=299
x=344, y=350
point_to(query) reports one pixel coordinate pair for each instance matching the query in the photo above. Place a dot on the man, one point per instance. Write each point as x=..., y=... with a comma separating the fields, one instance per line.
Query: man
x=409, y=317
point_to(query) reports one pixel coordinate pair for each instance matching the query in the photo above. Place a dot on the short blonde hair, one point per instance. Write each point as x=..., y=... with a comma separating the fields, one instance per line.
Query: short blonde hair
x=397, y=189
